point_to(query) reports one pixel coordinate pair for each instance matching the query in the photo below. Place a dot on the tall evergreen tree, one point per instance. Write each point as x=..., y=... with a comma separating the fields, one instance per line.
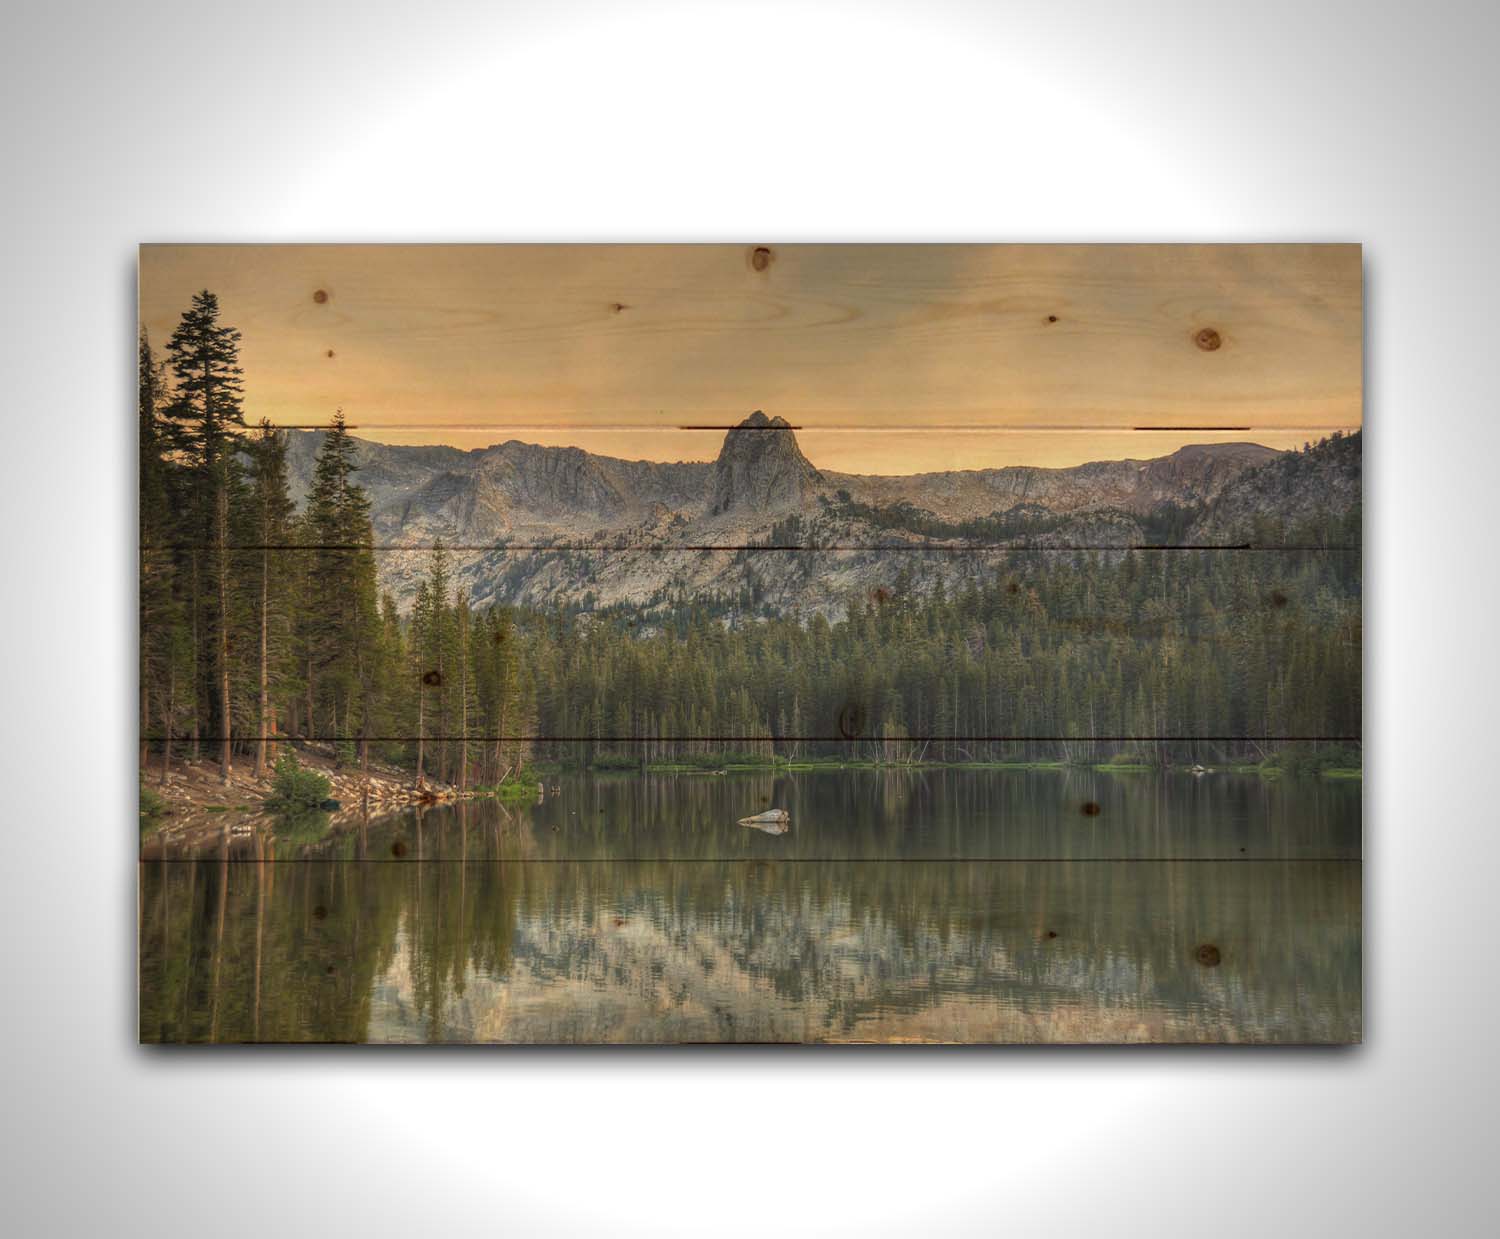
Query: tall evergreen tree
x=272, y=512
x=207, y=409
x=339, y=614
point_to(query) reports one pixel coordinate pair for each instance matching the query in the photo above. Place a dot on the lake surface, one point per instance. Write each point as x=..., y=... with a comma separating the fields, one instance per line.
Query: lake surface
x=931, y=905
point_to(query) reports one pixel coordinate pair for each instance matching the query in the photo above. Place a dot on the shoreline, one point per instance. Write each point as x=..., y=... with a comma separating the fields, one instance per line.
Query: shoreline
x=780, y=766
x=194, y=797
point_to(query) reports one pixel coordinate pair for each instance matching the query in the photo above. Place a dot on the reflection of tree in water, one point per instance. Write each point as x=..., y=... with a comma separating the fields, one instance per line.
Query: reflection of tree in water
x=829, y=948
x=750, y=949
x=236, y=951
x=868, y=814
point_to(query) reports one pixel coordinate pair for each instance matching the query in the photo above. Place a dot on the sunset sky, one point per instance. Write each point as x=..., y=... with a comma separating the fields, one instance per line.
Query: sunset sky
x=889, y=359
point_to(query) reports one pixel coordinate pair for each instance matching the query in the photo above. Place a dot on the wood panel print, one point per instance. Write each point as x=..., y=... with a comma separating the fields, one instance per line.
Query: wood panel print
x=609, y=644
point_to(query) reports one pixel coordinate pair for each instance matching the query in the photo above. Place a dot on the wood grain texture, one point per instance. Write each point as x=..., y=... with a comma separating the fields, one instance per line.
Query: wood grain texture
x=1055, y=336
x=997, y=680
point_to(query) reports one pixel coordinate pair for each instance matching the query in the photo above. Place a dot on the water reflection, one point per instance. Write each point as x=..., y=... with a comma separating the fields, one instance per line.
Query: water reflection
x=771, y=822
x=772, y=942
x=935, y=814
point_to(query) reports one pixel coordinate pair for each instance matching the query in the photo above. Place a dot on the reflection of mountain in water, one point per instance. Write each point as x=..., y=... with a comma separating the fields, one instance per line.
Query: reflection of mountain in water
x=927, y=951
x=746, y=950
x=931, y=905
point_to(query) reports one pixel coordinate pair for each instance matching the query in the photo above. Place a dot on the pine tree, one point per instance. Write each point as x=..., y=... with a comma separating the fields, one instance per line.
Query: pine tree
x=155, y=514
x=204, y=358
x=272, y=511
x=339, y=617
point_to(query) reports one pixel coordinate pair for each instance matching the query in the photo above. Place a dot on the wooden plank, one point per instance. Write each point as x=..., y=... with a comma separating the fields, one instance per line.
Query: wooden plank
x=823, y=335
x=885, y=447
x=791, y=652
x=765, y=484
x=752, y=951
x=904, y=814
x=997, y=679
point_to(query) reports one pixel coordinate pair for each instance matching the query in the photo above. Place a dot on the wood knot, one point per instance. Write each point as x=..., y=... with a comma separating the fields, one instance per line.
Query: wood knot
x=320, y=912
x=330, y=353
x=1207, y=339
x=851, y=721
x=1277, y=598
x=320, y=296
x=434, y=678
x=618, y=306
x=1052, y=318
x=1052, y=933
x=1207, y=955
x=398, y=849
x=880, y=595
x=1090, y=808
x=760, y=258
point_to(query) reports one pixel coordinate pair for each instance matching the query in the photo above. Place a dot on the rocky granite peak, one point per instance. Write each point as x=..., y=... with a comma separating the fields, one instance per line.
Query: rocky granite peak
x=535, y=526
x=761, y=467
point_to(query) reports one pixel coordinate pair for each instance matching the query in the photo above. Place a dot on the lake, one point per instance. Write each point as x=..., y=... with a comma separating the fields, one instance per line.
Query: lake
x=943, y=904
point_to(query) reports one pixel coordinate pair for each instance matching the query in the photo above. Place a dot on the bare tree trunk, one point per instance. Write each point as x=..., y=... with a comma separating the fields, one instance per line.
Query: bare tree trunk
x=145, y=673
x=500, y=716
x=222, y=540
x=366, y=692
x=442, y=773
x=166, y=731
x=421, y=738
x=265, y=683
x=308, y=726
x=197, y=654
x=463, y=706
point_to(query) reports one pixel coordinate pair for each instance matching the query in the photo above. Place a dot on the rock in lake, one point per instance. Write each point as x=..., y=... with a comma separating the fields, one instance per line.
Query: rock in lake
x=772, y=821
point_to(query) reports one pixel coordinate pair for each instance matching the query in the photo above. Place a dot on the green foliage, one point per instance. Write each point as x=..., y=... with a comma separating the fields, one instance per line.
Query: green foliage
x=257, y=620
x=1046, y=647
x=1309, y=761
x=519, y=788
x=624, y=761
x=519, y=791
x=151, y=804
x=294, y=788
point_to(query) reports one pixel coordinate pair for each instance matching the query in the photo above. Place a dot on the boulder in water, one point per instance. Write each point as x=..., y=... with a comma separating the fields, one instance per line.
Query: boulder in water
x=772, y=821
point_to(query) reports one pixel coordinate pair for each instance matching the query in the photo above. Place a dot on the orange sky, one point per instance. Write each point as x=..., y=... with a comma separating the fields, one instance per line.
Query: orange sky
x=891, y=359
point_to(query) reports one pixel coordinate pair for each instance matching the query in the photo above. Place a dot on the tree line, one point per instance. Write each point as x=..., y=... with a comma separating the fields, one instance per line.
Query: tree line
x=263, y=621
x=1171, y=656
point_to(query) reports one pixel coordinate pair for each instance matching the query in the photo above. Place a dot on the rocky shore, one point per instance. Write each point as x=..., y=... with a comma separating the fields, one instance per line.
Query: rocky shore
x=196, y=797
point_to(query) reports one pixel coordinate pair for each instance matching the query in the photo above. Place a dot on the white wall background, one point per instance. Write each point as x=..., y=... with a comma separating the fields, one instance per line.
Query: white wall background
x=1043, y=120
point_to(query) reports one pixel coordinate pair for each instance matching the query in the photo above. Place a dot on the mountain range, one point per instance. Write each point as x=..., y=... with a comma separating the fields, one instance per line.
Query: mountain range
x=541, y=526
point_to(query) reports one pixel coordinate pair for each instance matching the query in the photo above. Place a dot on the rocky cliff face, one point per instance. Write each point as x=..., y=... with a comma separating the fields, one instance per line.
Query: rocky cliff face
x=1292, y=490
x=761, y=468
x=538, y=525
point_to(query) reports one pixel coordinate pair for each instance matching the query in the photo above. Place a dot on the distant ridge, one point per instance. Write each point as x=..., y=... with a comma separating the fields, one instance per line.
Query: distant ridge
x=520, y=495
